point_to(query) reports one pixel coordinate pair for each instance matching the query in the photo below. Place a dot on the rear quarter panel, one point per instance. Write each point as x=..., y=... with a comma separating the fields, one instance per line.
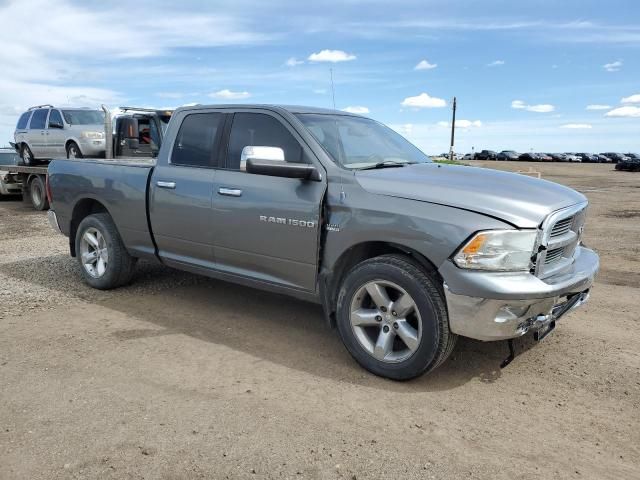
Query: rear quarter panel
x=121, y=187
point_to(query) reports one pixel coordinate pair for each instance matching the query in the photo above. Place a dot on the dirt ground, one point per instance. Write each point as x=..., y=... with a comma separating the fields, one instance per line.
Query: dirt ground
x=182, y=377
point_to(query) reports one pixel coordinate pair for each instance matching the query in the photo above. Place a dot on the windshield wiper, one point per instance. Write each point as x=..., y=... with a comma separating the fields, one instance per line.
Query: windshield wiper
x=386, y=164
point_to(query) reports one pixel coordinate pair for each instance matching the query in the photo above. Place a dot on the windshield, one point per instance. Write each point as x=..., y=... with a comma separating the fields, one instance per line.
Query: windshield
x=83, y=117
x=355, y=142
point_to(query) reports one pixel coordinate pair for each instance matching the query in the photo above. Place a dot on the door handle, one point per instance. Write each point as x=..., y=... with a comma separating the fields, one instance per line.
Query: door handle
x=166, y=184
x=230, y=192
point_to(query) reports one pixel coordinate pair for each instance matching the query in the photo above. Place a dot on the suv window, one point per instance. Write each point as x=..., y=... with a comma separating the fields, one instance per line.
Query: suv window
x=257, y=129
x=39, y=118
x=55, y=117
x=22, y=122
x=197, y=140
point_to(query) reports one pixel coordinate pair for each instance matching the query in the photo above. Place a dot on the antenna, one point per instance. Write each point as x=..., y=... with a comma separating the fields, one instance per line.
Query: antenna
x=333, y=91
x=453, y=129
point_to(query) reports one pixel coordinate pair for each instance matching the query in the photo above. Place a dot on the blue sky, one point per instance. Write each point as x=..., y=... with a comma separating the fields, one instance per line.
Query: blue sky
x=543, y=75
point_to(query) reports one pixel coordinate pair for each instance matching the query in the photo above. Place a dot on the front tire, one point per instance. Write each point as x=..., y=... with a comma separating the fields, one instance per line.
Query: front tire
x=103, y=258
x=392, y=318
x=27, y=156
x=38, y=194
x=73, y=151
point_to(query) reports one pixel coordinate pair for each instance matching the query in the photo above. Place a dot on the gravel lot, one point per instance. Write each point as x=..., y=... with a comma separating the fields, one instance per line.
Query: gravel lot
x=182, y=377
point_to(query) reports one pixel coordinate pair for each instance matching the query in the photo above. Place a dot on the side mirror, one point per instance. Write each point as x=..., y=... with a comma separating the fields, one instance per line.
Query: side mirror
x=260, y=153
x=55, y=124
x=276, y=168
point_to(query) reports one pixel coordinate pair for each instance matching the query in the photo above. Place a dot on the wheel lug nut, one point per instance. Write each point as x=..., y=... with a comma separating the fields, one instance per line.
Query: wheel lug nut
x=394, y=313
x=385, y=329
x=395, y=325
x=384, y=309
x=378, y=318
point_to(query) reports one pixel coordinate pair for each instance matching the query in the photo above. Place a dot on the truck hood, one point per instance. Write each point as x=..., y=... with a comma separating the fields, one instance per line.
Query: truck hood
x=518, y=199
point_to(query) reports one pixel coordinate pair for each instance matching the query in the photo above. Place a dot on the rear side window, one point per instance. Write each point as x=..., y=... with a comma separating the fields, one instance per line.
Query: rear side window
x=39, y=118
x=55, y=117
x=197, y=141
x=22, y=122
x=257, y=129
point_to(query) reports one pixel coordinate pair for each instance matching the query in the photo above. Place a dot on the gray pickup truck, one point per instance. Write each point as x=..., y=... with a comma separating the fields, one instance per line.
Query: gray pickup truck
x=403, y=254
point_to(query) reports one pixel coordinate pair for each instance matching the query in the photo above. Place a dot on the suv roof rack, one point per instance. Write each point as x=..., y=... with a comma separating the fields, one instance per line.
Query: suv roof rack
x=41, y=106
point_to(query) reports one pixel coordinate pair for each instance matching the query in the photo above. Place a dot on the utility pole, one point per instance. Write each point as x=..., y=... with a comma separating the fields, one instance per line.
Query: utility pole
x=453, y=130
x=333, y=91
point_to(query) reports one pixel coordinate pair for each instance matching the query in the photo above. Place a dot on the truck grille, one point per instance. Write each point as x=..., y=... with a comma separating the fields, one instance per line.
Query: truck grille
x=559, y=238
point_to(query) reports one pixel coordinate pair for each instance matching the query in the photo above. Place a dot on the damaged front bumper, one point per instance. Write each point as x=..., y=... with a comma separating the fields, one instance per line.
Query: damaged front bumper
x=502, y=305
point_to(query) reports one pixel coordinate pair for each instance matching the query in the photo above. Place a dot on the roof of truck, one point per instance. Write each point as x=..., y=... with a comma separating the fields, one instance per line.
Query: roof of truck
x=289, y=108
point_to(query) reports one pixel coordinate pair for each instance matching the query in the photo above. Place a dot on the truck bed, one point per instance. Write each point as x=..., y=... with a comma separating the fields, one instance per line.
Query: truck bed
x=119, y=186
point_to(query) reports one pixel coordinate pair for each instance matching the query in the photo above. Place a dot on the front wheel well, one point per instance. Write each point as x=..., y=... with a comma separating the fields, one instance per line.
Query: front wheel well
x=82, y=209
x=331, y=280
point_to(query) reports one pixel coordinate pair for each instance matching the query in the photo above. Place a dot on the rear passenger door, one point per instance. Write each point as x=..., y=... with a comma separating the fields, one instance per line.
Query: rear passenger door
x=181, y=192
x=37, y=136
x=267, y=228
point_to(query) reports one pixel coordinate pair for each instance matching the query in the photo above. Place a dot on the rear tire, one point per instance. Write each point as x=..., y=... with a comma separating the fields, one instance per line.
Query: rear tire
x=27, y=156
x=103, y=258
x=73, y=151
x=38, y=194
x=399, y=340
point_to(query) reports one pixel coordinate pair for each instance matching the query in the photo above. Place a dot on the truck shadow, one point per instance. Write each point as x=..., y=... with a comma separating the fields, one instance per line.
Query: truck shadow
x=272, y=327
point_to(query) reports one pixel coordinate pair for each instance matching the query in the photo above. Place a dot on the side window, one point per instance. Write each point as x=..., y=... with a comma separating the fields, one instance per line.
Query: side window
x=22, y=122
x=39, y=119
x=55, y=117
x=196, y=143
x=257, y=129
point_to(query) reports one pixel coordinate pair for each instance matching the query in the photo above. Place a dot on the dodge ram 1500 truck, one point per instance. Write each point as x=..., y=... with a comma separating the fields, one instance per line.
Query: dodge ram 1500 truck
x=403, y=254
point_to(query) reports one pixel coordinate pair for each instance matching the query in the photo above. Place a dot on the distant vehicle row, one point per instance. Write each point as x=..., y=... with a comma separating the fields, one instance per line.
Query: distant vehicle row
x=607, y=157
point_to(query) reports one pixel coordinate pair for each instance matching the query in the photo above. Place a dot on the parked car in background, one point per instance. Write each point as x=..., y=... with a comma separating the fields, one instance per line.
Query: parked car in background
x=543, y=157
x=602, y=158
x=507, y=155
x=469, y=156
x=572, y=157
x=10, y=183
x=486, y=155
x=588, y=157
x=558, y=157
x=529, y=157
x=615, y=157
x=630, y=164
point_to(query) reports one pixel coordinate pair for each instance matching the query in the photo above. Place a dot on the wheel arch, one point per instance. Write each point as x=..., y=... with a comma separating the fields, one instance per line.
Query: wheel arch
x=69, y=141
x=82, y=209
x=331, y=280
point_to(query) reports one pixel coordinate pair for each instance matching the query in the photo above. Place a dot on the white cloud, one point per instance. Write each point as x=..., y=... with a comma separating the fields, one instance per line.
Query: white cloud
x=227, y=94
x=293, y=62
x=577, y=126
x=332, y=56
x=613, y=66
x=631, y=99
x=540, y=108
x=462, y=124
x=424, y=101
x=496, y=63
x=425, y=65
x=598, y=107
x=626, y=111
x=356, y=109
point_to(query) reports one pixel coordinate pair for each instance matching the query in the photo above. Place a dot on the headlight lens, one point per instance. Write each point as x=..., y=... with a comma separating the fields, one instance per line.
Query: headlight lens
x=498, y=250
x=94, y=135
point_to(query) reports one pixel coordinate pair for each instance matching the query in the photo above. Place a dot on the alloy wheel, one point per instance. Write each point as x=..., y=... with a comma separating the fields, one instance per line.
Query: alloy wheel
x=386, y=321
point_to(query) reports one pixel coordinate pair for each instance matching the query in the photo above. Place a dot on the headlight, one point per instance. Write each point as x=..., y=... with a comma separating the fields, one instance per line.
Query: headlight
x=94, y=135
x=498, y=250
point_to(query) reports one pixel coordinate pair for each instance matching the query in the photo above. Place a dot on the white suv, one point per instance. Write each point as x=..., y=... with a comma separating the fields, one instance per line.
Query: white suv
x=45, y=132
